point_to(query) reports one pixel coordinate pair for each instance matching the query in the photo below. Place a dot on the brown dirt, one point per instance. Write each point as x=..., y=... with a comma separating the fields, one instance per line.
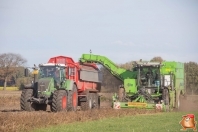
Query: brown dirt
x=189, y=103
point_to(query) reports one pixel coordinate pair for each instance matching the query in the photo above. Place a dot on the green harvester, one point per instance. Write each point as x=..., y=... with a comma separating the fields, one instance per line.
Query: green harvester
x=150, y=85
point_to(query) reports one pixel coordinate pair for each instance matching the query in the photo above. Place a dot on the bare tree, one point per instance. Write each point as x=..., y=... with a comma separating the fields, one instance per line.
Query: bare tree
x=8, y=65
x=157, y=59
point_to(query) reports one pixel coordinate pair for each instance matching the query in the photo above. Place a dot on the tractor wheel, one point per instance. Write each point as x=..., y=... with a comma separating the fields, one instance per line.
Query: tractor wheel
x=74, y=98
x=59, y=101
x=166, y=98
x=121, y=93
x=24, y=100
x=87, y=105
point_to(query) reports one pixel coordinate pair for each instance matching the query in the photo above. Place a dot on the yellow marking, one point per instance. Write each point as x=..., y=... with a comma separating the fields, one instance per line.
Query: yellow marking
x=137, y=104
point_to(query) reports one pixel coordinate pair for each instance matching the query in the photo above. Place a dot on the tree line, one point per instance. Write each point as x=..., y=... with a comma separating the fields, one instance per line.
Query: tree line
x=12, y=73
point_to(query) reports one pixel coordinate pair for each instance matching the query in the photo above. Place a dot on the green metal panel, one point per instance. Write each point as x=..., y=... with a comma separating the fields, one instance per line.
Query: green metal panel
x=50, y=87
x=177, y=68
x=130, y=85
x=112, y=67
x=69, y=84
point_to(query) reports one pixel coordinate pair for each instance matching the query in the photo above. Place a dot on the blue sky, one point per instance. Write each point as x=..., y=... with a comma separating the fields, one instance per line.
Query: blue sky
x=120, y=30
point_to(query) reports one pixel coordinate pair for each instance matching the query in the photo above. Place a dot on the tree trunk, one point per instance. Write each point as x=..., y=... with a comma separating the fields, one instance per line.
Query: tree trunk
x=5, y=83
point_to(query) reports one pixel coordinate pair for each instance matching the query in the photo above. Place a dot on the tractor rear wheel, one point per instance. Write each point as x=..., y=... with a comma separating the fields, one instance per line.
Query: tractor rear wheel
x=74, y=98
x=59, y=101
x=25, y=100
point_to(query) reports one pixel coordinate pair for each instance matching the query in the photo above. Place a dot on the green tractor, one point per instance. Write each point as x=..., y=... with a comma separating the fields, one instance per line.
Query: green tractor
x=46, y=89
x=151, y=85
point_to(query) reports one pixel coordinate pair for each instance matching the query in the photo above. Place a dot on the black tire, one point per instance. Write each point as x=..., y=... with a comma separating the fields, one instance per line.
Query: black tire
x=95, y=102
x=25, y=104
x=87, y=105
x=73, y=99
x=59, y=101
x=166, y=98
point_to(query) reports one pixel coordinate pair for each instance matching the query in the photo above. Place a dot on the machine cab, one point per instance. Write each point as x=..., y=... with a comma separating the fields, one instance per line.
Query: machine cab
x=148, y=73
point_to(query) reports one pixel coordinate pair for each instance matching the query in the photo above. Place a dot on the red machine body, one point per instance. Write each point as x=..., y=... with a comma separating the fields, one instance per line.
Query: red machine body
x=84, y=75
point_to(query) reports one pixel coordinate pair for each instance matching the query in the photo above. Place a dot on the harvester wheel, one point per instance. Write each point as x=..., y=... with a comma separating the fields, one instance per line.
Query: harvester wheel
x=178, y=99
x=166, y=98
x=24, y=101
x=59, y=101
x=121, y=93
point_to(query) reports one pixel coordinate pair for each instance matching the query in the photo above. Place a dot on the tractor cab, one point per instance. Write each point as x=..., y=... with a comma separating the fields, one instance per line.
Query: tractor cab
x=51, y=70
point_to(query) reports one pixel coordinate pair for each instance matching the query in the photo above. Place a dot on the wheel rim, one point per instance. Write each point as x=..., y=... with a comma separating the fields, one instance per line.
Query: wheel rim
x=64, y=102
x=74, y=98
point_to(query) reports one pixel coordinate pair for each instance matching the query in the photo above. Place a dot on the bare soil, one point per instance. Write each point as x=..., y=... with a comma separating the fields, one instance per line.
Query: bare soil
x=189, y=103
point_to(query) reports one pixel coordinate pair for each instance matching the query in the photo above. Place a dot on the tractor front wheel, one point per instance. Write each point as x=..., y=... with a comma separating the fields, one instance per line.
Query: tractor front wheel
x=25, y=100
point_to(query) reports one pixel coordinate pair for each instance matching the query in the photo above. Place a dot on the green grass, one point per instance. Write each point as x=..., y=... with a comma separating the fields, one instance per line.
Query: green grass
x=161, y=122
x=10, y=88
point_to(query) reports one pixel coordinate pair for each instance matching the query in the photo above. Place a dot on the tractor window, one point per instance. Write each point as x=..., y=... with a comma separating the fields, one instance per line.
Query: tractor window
x=62, y=74
x=46, y=71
